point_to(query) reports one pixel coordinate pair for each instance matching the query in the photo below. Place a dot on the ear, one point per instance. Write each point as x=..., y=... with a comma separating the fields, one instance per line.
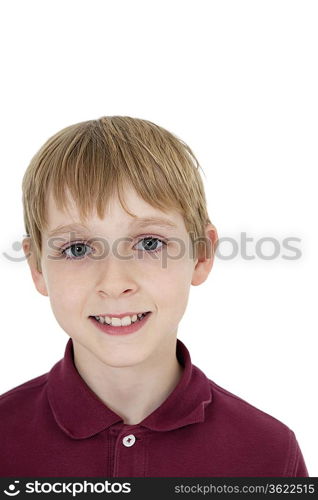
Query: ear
x=37, y=276
x=205, y=261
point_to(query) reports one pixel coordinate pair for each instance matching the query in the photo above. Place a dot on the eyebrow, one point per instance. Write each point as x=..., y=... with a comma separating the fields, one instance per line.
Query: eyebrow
x=139, y=222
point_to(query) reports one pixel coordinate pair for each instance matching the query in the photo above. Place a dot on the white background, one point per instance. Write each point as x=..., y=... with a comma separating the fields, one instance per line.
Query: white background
x=237, y=80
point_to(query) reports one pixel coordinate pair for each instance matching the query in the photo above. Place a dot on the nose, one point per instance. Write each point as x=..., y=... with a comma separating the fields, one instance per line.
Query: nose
x=116, y=275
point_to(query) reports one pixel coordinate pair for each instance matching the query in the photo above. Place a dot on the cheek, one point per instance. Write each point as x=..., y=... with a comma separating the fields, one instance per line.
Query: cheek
x=172, y=288
x=65, y=292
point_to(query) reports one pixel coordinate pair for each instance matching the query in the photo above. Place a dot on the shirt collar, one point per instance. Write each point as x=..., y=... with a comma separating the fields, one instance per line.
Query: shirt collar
x=81, y=414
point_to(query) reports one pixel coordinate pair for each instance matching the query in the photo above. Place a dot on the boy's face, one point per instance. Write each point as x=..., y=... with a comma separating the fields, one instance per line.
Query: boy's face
x=115, y=272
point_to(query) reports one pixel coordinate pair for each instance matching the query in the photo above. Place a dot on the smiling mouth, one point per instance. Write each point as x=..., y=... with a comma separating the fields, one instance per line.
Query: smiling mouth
x=119, y=329
x=120, y=322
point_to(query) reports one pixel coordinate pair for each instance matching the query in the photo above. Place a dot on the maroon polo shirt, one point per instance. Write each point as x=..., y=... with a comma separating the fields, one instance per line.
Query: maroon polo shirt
x=55, y=426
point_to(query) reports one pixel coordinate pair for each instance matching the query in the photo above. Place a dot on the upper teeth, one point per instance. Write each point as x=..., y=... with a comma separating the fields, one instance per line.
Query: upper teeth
x=125, y=321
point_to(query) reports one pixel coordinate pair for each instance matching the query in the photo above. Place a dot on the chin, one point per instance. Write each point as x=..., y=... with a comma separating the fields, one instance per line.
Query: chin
x=122, y=356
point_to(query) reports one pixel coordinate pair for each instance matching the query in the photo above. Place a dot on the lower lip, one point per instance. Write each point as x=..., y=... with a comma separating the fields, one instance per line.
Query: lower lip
x=121, y=330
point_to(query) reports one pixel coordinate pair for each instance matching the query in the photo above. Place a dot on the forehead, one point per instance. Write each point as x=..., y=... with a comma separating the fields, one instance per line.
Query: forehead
x=145, y=213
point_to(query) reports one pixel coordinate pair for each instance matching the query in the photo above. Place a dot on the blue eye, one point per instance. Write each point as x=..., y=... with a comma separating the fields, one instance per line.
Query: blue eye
x=149, y=245
x=76, y=248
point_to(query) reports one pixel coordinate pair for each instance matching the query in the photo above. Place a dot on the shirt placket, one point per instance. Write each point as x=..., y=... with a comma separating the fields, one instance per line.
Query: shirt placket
x=130, y=451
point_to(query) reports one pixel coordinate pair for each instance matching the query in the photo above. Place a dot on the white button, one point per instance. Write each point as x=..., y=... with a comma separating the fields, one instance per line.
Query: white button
x=129, y=440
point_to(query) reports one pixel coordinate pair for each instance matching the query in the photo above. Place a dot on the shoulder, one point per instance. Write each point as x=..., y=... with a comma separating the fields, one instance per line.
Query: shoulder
x=23, y=395
x=253, y=433
x=245, y=413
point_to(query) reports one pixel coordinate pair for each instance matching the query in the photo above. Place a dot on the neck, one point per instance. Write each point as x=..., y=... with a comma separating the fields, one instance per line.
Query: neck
x=132, y=392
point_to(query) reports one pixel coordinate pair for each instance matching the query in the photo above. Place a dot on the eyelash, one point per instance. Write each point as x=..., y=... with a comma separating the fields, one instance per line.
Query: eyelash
x=86, y=243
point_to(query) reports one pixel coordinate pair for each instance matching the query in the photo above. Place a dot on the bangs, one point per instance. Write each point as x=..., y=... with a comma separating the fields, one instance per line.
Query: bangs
x=94, y=164
x=96, y=159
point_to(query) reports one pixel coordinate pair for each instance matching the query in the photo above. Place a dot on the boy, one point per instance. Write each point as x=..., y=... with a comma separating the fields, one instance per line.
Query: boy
x=118, y=230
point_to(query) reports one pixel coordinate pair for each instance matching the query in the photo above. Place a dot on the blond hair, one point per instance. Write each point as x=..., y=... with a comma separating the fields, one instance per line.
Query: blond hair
x=95, y=158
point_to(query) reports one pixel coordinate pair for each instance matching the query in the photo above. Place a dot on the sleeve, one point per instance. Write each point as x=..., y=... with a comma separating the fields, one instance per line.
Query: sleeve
x=296, y=466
